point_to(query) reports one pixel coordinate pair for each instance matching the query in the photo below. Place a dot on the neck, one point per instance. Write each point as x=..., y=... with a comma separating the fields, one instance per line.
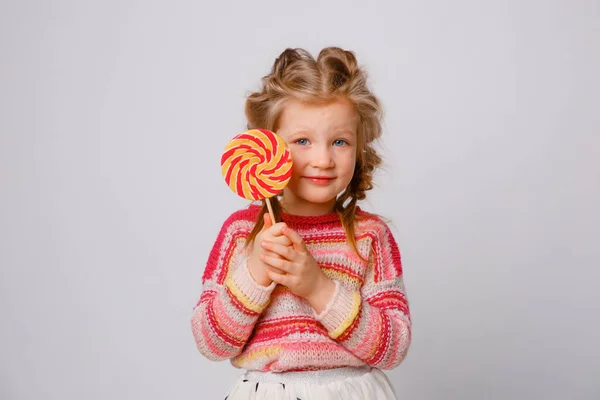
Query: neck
x=308, y=209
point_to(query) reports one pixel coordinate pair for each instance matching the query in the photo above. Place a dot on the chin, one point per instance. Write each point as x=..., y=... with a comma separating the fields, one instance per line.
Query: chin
x=319, y=199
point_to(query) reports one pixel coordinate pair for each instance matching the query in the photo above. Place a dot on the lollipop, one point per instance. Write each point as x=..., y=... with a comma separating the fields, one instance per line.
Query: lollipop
x=256, y=165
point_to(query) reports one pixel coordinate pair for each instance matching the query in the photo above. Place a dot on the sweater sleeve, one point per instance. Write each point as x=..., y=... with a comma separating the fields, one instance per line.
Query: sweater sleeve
x=231, y=301
x=374, y=323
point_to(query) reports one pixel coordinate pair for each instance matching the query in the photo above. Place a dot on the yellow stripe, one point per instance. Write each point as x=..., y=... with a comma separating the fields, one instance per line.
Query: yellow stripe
x=233, y=177
x=227, y=163
x=341, y=276
x=246, y=185
x=265, y=140
x=264, y=192
x=267, y=352
x=250, y=305
x=348, y=321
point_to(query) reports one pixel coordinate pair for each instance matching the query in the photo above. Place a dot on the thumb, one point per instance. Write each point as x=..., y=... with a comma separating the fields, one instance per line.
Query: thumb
x=267, y=221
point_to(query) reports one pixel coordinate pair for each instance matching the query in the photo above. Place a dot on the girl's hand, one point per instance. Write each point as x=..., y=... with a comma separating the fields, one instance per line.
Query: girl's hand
x=271, y=233
x=293, y=266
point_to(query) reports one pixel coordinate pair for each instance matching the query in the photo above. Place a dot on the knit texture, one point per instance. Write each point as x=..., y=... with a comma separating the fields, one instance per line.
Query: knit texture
x=367, y=320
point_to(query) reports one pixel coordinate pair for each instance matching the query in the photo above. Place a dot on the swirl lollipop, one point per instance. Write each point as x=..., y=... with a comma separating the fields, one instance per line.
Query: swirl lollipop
x=257, y=164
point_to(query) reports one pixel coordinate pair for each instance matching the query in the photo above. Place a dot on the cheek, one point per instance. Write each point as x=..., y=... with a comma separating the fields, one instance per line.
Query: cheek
x=296, y=168
x=349, y=161
x=297, y=160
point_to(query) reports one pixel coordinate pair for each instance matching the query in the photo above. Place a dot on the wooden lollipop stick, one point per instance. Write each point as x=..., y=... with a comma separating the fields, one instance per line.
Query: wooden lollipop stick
x=270, y=210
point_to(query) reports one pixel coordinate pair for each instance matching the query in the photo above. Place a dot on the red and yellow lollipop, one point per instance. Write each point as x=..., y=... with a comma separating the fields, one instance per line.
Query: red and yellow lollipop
x=257, y=164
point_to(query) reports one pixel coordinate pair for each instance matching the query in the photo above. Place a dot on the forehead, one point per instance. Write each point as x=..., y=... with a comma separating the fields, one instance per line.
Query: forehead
x=337, y=114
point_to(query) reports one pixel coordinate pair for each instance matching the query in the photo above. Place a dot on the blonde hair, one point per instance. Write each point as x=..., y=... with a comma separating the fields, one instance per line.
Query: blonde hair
x=334, y=75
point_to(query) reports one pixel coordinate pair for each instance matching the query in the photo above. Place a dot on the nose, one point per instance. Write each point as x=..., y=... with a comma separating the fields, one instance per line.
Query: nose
x=323, y=158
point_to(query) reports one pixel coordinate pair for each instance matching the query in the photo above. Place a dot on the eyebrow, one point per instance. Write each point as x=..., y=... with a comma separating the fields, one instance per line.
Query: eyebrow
x=345, y=130
x=337, y=130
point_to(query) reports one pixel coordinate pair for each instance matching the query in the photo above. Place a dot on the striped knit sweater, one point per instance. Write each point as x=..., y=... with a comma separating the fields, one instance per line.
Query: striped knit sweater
x=367, y=321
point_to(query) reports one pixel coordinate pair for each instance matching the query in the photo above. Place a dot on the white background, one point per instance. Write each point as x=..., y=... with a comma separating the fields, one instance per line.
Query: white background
x=113, y=118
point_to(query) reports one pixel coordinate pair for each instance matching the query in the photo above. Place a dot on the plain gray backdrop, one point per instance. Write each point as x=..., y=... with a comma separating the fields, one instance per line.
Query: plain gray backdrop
x=113, y=119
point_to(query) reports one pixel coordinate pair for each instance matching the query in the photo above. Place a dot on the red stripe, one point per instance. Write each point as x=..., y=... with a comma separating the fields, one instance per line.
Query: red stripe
x=239, y=186
x=222, y=334
x=332, y=238
x=238, y=304
x=228, y=237
x=226, y=155
x=254, y=192
x=206, y=296
x=297, y=319
x=252, y=170
x=283, y=160
x=246, y=177
x=343, y=269
x=282, y=178
x=259, y=143
x=247, y=149
x=389, y=300
x=228, y=255
x=271, y=136
x=230, y=169
x=265, y=186
x=213, y=259
x=254, y=151
x=272, y=330
x=383, y=341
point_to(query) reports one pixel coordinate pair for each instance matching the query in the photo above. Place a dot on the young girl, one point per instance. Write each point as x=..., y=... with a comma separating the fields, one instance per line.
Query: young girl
x=313, y=307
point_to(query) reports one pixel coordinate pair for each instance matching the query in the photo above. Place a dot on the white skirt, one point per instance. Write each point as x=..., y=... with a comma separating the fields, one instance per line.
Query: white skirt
x=362, y=383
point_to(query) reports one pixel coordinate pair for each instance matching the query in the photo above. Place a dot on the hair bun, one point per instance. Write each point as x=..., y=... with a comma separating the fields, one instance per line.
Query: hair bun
x=288, y=57
x=339, y=65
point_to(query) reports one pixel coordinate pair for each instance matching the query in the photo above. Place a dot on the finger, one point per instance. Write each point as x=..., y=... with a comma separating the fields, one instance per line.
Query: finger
x=282, y=240
x=286, y=252
x=294, y=237
x=270, y=266
x=277, y=262
x=267, y=223
x=269, y=253
x=276, y=277
x=275, y=269
x=275, y=229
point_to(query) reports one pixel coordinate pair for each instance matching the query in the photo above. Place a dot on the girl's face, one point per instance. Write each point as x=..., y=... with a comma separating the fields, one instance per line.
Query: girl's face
x=323, y=142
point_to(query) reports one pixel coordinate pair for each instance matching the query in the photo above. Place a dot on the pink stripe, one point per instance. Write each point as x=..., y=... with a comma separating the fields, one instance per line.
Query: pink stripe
x=231, y=321
x=213, y=347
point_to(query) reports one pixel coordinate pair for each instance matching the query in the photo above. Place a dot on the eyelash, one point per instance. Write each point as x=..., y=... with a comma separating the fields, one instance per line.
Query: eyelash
x=344, y=142
x=341, y=140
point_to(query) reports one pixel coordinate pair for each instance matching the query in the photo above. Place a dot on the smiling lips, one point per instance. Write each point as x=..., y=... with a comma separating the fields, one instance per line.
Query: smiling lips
x=320, y=180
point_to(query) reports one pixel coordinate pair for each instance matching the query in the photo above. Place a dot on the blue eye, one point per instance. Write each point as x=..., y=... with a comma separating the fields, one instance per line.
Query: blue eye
x=339, y=142
x=301, y=142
